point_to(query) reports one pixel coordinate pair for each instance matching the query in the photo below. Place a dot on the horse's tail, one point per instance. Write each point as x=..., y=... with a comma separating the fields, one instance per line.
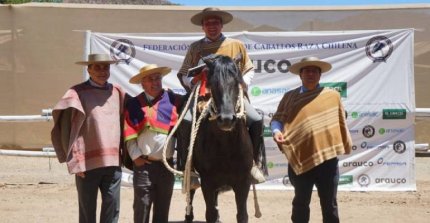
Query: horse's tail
x=256, y=204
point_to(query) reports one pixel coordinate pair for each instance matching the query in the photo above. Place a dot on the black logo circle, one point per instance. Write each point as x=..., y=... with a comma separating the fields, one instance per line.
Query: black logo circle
x=379, y=48
x=399, y=147
x=122, y=50
x=363, y=180
x=368, y=131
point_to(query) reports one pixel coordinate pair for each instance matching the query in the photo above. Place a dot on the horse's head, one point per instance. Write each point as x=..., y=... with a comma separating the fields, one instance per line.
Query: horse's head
x=224, y=78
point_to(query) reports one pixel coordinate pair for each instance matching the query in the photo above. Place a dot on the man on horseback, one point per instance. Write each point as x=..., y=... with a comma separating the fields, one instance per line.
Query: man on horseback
x=214, y=42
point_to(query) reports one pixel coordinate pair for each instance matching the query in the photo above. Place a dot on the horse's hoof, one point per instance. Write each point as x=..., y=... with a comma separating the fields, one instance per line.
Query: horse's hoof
x=189, y=218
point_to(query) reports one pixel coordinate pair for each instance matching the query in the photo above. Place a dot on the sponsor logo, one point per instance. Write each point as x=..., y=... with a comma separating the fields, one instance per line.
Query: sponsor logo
x=275, y=165
x=387, y=180
x=356, y=115
x=358, y=163
x=122, y=50
x=257, y=91
x=338, y=86
x=379, y=48
x=399, y=147
x=368, y=131
x=363, y=180
x=382, y=131
x=345, y=179
x=393, y=113
x=365, y=145
x=391, y=163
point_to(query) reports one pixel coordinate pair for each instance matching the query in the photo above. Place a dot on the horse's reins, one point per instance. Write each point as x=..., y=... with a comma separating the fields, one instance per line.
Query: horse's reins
x=194, y=128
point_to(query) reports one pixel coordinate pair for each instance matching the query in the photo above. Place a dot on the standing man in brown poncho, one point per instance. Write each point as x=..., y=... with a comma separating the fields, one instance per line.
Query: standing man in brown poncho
x=309, y=127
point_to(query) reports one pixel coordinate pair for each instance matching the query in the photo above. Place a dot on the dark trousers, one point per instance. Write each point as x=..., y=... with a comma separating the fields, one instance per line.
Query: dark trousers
x=325, y=177
x=153, y=185
x=108, y=180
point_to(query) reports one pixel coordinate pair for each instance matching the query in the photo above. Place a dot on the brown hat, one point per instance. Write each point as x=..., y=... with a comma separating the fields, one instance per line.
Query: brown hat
x=147, y=70
x=209, y=12
x=309, y=61
x=97, y=58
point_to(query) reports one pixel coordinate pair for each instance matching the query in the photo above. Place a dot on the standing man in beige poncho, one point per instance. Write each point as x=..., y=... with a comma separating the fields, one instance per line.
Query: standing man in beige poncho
x=309, y=127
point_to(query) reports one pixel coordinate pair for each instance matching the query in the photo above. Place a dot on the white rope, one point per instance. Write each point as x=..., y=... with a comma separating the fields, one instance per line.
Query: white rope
x=181, y=117
x=194, y=128
x=208, y=108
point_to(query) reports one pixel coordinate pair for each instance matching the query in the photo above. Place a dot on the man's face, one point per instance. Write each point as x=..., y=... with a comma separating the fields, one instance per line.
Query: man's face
x=99, y=73
x=152, y=84
x=310, y=76
x=212, y=26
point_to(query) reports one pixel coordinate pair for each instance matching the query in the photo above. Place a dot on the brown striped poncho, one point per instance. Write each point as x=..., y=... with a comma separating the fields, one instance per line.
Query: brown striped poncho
x=314, y=127
x=225, y=46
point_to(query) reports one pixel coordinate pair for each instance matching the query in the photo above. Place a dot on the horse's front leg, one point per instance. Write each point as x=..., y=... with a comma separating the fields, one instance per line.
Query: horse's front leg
x=211, y=199
x=241, y=191
x=190, y=217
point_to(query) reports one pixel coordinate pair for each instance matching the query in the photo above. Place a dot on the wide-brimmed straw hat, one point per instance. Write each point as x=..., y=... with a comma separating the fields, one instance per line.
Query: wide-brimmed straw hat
x=97, y=59
x=211, y=12
x=147, y=70
x=309, y=61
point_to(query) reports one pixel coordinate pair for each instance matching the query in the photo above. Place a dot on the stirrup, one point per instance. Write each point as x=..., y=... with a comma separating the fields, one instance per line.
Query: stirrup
x=257, y=176
x=194, y=181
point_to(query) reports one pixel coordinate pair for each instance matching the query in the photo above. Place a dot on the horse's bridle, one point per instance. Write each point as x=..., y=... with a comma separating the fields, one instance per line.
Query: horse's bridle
x=239, y=108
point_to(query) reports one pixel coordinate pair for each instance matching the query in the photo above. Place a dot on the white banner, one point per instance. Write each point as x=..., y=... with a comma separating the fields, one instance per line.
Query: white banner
x=372, y=70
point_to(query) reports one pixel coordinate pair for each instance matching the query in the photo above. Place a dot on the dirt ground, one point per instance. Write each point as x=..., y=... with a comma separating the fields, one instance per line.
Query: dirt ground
x=40, y=190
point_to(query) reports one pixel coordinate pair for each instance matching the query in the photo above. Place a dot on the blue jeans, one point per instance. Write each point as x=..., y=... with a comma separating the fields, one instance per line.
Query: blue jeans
x=325, y=177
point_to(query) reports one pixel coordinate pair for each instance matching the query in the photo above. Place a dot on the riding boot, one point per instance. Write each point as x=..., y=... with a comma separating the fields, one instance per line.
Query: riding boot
x=256, y=132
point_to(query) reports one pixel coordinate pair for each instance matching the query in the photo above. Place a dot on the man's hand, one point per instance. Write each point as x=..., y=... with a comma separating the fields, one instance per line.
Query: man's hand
x=140, y=161
x=199, y=76
x=279, y=137
x=81, y=174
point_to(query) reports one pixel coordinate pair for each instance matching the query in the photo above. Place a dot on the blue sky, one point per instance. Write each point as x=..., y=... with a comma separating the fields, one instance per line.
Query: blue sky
x=291, y=2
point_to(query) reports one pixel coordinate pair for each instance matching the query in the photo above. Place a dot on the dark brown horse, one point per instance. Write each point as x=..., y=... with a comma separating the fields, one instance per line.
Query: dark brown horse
x=223, y=153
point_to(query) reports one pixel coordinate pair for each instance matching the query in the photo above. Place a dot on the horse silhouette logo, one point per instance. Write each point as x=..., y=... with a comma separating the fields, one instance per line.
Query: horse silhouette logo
x=368, y=131
x=379, y=48
x=122, y=50
x=399, y=147
x=363, y=180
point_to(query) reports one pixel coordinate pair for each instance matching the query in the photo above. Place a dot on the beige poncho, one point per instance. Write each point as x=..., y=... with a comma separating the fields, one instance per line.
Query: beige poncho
x=314, y=127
